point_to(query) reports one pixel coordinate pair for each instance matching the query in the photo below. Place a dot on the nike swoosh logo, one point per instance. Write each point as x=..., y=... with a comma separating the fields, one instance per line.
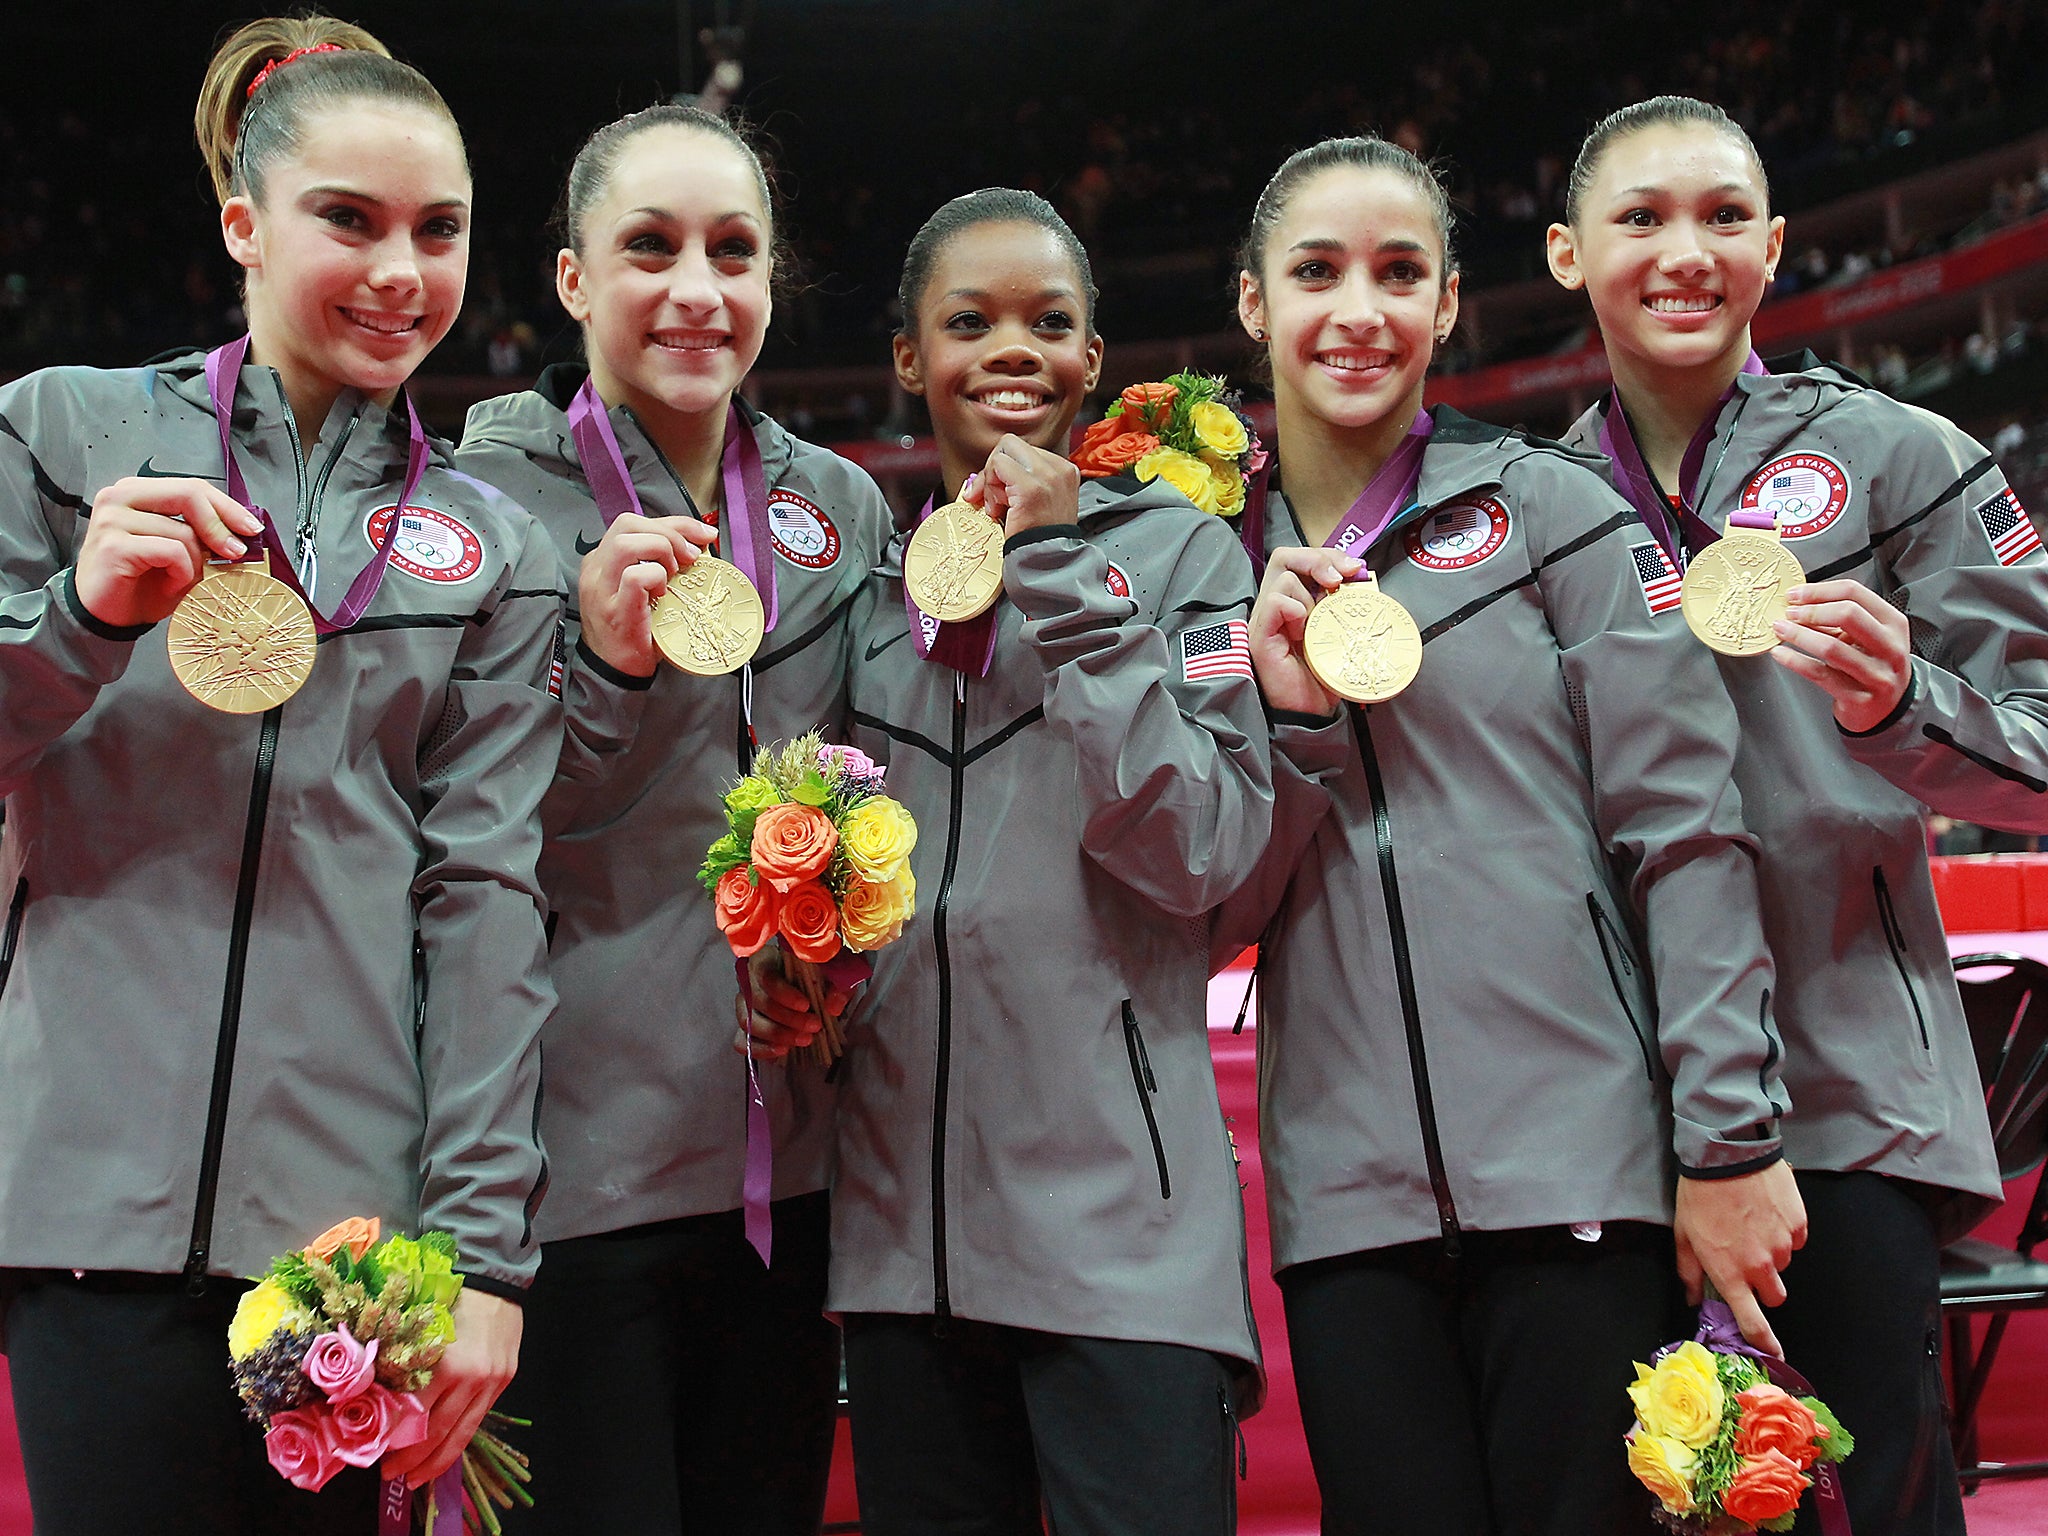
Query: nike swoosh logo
x=585, y=546
x=876, y=647
x=149, y=471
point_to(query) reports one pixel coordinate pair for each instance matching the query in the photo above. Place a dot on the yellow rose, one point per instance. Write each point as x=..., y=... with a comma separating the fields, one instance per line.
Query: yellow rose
x=878, y=836
x=1218, y=429
x=1681, y=1397
x=259, y=1314
x=1664, y=1466
x=872, y=913
x=1229, y=485
x=1184, y=472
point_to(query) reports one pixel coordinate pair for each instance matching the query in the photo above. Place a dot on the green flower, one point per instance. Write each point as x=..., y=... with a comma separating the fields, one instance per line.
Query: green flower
x=426, y=1265
x=753, y=793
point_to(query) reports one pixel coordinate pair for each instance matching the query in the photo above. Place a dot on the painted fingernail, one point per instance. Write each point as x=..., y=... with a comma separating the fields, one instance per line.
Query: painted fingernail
x=237, y=548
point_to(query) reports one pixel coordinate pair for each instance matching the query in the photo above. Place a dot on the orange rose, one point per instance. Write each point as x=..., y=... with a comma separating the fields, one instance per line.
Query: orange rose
x=1113, y=451
x=1146, y=405
x=358, y=1235
x=809, y=922
x=746, y=911
x=1774, y=1420
x=792, y=844
x=1764, y=1488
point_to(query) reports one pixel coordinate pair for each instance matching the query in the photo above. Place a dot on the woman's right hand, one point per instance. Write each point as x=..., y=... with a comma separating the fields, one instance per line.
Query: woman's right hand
x=619, y=581
x=781, y=1019
x=1295, y=581
x=147, y=544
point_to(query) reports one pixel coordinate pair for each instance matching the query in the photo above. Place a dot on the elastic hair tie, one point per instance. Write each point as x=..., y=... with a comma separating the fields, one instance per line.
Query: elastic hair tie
x=263, y=74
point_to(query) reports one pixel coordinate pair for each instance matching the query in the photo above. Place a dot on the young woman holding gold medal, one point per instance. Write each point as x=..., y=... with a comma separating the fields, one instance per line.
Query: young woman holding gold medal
x=1037, y=1239
x=1906, y=673
x=676, y=1382
x=1502, y=807
x=276, y=962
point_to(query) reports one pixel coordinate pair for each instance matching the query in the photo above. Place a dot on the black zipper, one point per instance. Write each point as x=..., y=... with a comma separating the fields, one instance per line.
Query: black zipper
x=1404, y=981
x=15, y=909
x=1895, y=940
x=200, y=1250
x=1233, y=1451
x=1602, y=929
x=942, y=1297
x=1147, y=1086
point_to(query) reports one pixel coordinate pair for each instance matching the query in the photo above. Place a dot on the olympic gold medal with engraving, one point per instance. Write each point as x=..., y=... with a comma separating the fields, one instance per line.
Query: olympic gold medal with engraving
x=242, y=641
x=710, y=620
x=1361, y=644
x=953, y=568
x=1735, y=588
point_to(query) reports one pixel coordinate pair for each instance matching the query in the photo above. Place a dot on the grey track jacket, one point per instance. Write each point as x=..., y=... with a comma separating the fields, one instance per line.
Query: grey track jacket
x=1029, y=1128
x=1509, y=909
x=1878, y=1058
x=646, y=1101
x=264, y=972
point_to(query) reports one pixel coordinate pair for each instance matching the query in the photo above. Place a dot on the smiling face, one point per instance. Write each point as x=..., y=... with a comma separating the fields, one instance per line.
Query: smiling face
x=1352, y=297
x=1001, y=344
x=1675, y=245
x=672, y=284
x=358, y=251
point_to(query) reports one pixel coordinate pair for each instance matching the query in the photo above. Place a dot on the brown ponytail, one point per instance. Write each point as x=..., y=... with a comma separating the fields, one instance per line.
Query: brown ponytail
x=240, y=134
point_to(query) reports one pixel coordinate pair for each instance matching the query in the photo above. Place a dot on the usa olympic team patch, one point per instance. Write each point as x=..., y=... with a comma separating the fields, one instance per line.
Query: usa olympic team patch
x=2008, y=527
x=1460, y=536
x=800, y=531
x=1118, y=583
x=431, y=545
x=1805, y=492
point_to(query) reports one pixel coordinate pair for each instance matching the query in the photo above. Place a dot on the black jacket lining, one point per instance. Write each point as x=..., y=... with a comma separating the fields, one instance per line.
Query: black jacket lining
x=808, y=637
x=1585, y=540
x=1935, y=733
x=942, y=755
x=47, y=488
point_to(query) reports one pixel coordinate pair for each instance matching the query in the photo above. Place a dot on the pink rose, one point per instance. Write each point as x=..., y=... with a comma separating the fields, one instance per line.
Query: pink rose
x=339, y=1366
x=362, y=1429
x=298, y=1447
x=855, y=761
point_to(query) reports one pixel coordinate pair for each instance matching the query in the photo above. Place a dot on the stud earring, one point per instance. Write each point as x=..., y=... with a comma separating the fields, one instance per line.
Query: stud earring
x=1258, y=333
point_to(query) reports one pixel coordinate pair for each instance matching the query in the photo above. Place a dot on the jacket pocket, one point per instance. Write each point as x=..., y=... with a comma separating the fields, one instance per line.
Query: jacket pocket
x=15, y=909
x=1895, y=941
x=1620, y=963
x=1148, y=1089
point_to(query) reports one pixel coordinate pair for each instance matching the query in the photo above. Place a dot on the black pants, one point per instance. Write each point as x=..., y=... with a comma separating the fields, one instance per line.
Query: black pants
x=1862, y=1322
x=677, y=1387
x=962, y=1429
x=129, y=1422
x=1482, y=1394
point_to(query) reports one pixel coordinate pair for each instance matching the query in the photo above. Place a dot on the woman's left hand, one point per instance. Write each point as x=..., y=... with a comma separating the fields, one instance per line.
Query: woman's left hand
x=1853, y=643
x=1026, y=487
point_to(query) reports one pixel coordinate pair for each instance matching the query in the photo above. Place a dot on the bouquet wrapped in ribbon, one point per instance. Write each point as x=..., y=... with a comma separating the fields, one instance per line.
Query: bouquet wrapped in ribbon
x=1729, y=1438
x=329, y=1352
x=1186, y=430
x=817, y=857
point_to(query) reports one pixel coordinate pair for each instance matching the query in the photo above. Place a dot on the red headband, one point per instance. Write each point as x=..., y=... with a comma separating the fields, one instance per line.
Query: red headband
x=263, y=74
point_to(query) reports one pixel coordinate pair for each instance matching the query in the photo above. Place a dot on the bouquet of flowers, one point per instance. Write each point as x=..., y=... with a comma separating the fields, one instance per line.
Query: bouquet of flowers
x=814, y=854
x=332, y=1346
x=1187, y=431
x=1727, y=1449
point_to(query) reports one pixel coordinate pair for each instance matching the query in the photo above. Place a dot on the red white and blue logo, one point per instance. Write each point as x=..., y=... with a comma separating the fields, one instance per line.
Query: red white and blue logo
x=1118, y=583
x=1216, y=650
x=800, y=531
x=1659, y=577
x=1804, y=492
x=1459, y=536
x=2008, y=527
x=431, y=545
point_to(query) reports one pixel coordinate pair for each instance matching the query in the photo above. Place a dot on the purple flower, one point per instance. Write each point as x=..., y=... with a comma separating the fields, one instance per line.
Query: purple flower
x=299, y=1449
x=339, y=1366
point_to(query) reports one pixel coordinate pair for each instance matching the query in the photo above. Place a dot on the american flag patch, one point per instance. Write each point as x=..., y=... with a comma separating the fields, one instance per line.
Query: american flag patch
x=2011, y=532
x=1658, y=575
x=558, y=660
x=1217, y=650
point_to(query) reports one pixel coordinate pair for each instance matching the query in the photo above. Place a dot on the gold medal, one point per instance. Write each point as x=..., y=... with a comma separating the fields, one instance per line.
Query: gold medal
x=1361, y=644
x=710, y=620
x=953, y=568
x=1735, y=589
x=242, y=641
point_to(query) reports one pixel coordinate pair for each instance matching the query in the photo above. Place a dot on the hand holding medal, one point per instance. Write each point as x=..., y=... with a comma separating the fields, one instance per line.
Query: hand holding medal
x=148, y=544
x=1734, y=589
x=1851, y=642
x=625, y=575
x=1296, y=580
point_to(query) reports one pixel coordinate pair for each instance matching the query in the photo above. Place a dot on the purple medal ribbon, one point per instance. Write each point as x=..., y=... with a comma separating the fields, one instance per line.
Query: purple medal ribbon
x=746, y=486
x=1719, y=1332
x=757, y=1185
x=223, y=369
x=1384, y=497
x=394, y=1508
x=968, y=647
x=1681, y=531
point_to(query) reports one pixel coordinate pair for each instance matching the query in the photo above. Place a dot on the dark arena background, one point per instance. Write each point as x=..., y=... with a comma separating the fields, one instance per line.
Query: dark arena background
x=1907, y=144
